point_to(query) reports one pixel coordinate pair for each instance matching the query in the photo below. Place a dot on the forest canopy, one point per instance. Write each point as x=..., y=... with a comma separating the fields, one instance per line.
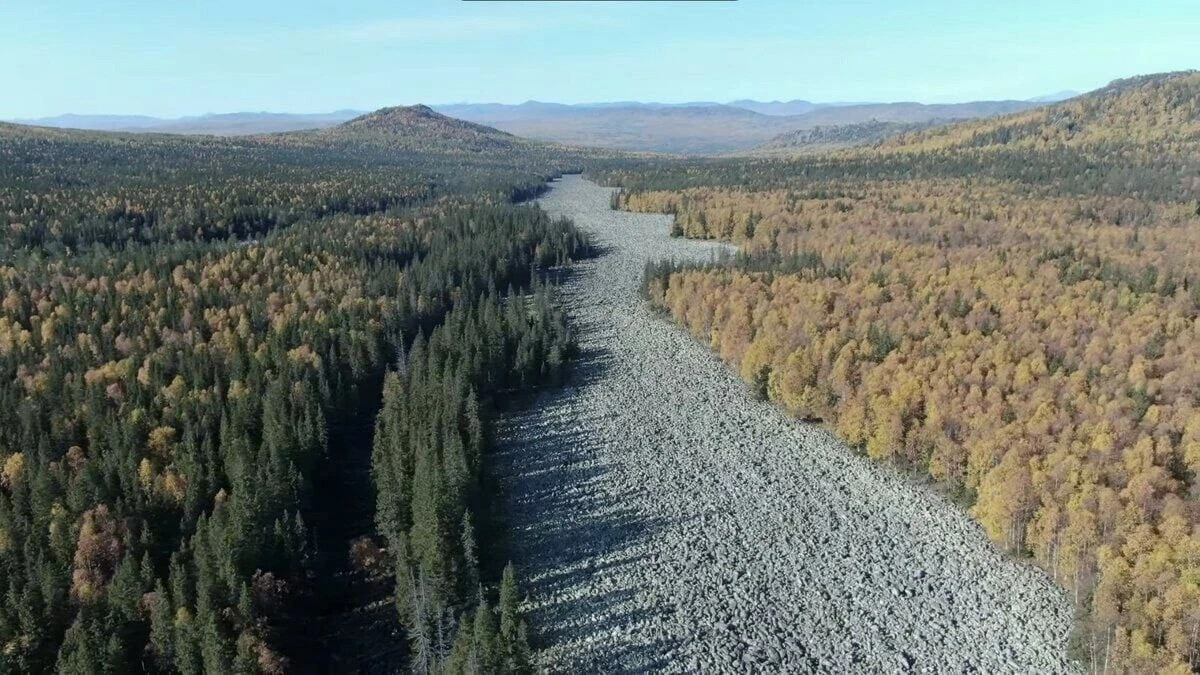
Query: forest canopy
x=1010, y=306
x=189, y=326
x=246, y=384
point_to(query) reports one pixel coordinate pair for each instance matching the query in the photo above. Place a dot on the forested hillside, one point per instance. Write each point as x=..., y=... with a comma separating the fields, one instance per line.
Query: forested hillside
x=185, y=326
x=824, y=138
x=1150, y=112
x=1010, y=306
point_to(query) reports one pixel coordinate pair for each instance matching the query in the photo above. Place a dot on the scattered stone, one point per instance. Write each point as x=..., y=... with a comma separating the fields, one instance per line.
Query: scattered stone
x=641, y=494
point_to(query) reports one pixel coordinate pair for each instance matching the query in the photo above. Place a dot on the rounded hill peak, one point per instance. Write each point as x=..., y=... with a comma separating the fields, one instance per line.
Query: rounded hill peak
x=421, y=126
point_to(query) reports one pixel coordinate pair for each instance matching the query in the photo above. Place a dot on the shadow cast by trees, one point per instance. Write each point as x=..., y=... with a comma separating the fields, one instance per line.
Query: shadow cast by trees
x=569, y=532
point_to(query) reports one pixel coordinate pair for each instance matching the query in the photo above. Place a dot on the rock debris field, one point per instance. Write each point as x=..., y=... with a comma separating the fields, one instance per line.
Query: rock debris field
x=663, y=519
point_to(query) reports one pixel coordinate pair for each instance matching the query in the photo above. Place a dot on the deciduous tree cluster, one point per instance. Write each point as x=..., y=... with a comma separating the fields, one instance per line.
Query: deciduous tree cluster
x=1032, y=345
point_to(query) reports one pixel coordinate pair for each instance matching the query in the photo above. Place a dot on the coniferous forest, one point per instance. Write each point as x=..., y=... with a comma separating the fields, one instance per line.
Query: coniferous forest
x=188, y=327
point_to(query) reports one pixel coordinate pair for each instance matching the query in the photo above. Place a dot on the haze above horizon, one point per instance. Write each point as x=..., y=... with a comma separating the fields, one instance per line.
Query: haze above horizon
x=172, y=60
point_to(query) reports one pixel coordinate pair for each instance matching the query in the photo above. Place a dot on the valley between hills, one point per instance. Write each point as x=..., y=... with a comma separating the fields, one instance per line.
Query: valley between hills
x=410, y=392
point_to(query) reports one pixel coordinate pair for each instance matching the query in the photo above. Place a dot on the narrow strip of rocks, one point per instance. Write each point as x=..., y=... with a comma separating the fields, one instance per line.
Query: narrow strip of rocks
x=664, y=519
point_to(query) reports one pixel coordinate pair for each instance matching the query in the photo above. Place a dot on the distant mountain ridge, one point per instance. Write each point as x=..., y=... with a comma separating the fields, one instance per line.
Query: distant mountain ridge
x=95, y=122
x=697, y=127
x=796, y=107
x=910, y=112
x=700, y=129
x=217, y=124
x=704, y=128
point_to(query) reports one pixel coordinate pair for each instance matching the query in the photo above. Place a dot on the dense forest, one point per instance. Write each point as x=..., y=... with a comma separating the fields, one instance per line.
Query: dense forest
x=247, y=384
x=186, y=323
x=1010, y=306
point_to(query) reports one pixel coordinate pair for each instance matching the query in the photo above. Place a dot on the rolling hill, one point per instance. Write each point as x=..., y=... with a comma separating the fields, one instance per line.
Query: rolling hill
x=1159, y=110
x=909, y=113
x=419, y=126
x=832, y=137
x=1162, y=110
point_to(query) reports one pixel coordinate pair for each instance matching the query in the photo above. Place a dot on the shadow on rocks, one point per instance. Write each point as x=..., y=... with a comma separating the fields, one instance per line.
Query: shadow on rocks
x=574, y=542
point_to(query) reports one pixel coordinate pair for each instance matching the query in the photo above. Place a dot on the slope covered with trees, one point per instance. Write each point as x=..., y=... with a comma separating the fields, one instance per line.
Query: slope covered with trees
x=1160, y=109
x=1011, y=306
x=832, y=137
x=183, y=321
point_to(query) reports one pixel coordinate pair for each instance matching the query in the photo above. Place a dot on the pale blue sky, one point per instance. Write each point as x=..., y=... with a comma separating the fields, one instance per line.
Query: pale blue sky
x=179, y=57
